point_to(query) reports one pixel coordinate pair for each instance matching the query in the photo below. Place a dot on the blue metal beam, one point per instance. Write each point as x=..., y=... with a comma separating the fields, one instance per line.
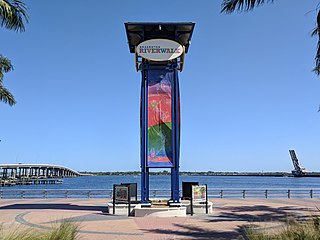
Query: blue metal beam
x=175, y=129
x=144, y=131
x=175, y=196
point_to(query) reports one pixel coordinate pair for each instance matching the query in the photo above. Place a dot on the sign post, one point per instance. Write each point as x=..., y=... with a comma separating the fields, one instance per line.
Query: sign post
x=159, y=50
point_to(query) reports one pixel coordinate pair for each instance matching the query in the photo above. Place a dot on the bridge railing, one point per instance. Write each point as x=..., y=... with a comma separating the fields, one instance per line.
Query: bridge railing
x=212, y=193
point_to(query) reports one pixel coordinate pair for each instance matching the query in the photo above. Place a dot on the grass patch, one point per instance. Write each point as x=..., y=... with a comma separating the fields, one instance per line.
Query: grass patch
x=64, y=230
x=295, y=230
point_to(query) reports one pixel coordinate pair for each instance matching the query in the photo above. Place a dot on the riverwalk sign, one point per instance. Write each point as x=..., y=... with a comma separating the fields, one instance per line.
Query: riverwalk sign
x=159, y=49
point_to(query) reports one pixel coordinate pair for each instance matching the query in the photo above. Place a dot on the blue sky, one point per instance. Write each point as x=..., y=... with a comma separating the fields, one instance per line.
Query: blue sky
x=247, y=91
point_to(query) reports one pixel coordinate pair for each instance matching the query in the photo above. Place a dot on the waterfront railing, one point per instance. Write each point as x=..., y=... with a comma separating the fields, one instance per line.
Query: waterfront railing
x=212, y=193
x=264, y=193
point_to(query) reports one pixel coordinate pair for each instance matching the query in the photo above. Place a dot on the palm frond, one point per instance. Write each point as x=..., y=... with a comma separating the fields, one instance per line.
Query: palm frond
x=13, y=15
x=6, y=96
x=317, y=58
x=5, y=66
x=229, y=6
x=314, y=32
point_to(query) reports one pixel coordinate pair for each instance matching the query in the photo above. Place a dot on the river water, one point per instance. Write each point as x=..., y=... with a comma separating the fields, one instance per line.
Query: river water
x=163, y=182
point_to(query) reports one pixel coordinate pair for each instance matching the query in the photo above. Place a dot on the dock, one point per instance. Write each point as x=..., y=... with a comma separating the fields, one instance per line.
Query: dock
x=27, y=181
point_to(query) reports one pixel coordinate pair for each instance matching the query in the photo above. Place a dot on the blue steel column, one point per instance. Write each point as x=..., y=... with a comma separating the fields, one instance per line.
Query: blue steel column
x=144, y=131
x=176, y=148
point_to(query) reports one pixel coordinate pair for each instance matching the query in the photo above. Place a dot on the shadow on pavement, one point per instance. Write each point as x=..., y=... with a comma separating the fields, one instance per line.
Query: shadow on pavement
x=260, y=213
x=192, y=232
x=54, y=206
x=248, y=215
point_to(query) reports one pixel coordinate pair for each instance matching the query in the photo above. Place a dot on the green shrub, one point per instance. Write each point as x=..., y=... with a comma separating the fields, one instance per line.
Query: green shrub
x=303, y=230
x=64, y=230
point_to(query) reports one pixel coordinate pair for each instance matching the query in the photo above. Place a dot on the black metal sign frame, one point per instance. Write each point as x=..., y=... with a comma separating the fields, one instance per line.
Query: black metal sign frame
x=206, y=201
x=126, y=199
x=133, y=190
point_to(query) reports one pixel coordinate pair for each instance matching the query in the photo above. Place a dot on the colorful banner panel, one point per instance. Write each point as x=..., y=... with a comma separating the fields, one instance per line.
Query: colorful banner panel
x=160, y=136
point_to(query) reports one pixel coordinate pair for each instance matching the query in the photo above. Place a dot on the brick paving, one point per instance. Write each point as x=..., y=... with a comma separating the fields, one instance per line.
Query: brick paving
x=227, y=221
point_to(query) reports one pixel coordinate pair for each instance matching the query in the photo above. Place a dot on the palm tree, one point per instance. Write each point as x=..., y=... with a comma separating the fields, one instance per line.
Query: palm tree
x=229, y=6
x=5, y=95
x=13, y=16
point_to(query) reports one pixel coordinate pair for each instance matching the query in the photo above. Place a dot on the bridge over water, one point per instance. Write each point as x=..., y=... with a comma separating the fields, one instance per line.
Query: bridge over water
x=19, y=171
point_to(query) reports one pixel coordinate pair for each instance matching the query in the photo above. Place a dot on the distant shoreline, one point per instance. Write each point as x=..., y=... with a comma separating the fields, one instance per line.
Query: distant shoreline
x=209, y=173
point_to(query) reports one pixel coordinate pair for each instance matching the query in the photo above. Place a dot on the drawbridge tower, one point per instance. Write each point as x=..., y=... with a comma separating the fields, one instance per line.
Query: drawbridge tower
x=159, y=50
x=298, y=170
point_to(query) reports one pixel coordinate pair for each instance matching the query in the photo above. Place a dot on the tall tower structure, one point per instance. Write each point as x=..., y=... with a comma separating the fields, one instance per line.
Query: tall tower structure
x=159, y=50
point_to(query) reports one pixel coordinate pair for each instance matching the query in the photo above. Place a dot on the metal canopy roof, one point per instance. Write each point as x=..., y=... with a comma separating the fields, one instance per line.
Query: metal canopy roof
x=138, y=32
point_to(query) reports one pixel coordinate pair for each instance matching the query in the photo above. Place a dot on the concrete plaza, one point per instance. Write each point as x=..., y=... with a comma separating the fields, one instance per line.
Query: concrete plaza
x=228, y=220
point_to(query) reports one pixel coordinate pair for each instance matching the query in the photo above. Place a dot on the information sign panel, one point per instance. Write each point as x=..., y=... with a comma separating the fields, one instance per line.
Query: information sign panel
x=133, y=190
x=187, y=189
x=199, y=196
x=121, y=193
x=199, y=193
